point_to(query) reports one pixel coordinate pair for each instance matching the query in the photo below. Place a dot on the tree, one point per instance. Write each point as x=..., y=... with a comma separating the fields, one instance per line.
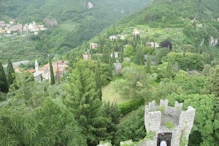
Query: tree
x=122, y=54
x=213, y=82
x=3, y=80
x=111, y=111
x=98, y=79
x=206, y=70
x=52, y=78
x=166, y=44
x=202, y=131
x=213, y=87
x=133, y=128
x=169, y=70
x=10, y=73
x=110, y=68
x=83, y=100
x=139, y=56
x=148, y=67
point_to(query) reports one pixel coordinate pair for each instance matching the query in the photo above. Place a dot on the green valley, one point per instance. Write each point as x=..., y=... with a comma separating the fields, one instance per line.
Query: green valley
x=101, y=76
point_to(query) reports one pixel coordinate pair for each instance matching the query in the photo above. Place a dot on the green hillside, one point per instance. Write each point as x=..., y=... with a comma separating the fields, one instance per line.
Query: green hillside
x=77, y=23
x=166, y=51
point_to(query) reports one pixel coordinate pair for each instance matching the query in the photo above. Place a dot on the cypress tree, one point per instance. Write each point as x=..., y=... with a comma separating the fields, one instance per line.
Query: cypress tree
x=84, y=102
x=52, y=78
x=114, y=58
x=148, y=67
x=110, y=68
x=169, y=70
x=10, y=73
x=98, y=79
x=139, y=56
x=3, y=80
x=122, y=55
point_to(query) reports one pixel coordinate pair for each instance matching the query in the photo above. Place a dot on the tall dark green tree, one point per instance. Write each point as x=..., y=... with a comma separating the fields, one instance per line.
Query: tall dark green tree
x=148, y=67
x=213, y=87
x=10, y=73
x=98, y=79
x=114, y=58
x=122, y=54
x=169, y=70
x=3, y=80
x=106, y=55
x=139, y=56
x=52, y=78
x=83, y=100
x=110, y=67
x=111, y=111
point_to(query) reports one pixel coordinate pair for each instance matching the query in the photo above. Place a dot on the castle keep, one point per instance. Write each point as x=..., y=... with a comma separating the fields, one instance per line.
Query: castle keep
x=167, y=124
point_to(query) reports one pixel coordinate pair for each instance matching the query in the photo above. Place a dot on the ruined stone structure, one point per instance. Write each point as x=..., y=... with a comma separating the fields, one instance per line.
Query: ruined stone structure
x=169, y=124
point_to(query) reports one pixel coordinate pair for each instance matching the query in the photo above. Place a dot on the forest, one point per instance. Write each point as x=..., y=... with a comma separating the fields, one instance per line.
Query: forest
x=92, y=104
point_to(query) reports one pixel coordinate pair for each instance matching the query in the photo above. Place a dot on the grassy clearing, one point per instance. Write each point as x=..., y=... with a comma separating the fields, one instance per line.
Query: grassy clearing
x=109, y=94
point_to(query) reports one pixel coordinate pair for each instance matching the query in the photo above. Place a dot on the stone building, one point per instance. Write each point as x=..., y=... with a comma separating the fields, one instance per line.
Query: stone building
x=168, y=124
x=117, y=68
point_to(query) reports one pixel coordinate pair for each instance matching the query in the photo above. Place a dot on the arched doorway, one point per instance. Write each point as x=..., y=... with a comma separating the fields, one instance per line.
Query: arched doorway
x=164, y=136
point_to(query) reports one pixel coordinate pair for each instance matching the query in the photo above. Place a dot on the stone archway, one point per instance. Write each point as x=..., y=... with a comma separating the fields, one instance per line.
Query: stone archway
x=164, y=136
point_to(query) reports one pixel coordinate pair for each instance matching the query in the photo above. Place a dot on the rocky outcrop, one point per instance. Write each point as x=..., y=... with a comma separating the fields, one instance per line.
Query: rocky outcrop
x=213, y=41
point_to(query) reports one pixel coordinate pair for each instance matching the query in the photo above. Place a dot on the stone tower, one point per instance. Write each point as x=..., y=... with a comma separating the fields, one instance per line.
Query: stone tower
x=169, y=124
x=36, y=66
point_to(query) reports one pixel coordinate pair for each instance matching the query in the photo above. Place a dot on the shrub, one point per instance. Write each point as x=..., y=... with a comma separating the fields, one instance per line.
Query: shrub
x=130, y=106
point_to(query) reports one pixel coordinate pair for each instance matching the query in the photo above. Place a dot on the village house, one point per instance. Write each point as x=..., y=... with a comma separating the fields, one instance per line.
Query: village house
x=122, y=37
x=136, y=32
x=86, y=56
x=15, y=28
x=117, y=68
x=116, y=54
x=43, y=73
x=153, y=44
x=93, y=45
x=112, y=37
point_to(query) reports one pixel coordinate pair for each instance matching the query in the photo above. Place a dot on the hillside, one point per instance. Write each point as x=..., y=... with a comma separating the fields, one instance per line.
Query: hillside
x=166, y=51
x=78, y=21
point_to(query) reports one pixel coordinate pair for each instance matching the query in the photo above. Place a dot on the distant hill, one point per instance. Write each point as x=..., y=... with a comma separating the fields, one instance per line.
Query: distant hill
x=79, y=20
x=195, y=20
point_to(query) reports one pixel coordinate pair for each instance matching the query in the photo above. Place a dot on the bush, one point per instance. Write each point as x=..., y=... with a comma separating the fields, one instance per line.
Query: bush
x=127, y=107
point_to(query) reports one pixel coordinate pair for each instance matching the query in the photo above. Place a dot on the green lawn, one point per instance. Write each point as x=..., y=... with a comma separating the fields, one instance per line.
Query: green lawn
x=109, y=94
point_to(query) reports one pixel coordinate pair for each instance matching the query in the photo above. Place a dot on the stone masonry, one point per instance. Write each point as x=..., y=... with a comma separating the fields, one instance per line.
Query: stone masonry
x=157, y=117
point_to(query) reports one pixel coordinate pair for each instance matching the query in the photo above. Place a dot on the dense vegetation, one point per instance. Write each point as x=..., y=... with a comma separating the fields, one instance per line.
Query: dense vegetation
x=183, y=68
x=76, y=24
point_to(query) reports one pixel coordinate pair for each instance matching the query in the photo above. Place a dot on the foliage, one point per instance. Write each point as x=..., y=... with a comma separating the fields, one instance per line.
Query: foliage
x=203, y=125
x=49, y=125
x=136, y=83
x=133, y=128
x=84, y=101
x=169, y=125
x=3, y=80
x=10, y=73
x=111, y=111
x=52, y=77
x=98, y=79
x=187, y=61
x=127, y=107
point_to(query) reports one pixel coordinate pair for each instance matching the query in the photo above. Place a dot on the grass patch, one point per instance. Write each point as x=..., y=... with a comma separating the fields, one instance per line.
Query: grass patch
x=109, y=94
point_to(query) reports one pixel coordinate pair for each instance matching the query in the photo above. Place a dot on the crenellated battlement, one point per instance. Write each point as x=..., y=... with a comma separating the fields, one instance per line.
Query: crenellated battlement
x=170, y=121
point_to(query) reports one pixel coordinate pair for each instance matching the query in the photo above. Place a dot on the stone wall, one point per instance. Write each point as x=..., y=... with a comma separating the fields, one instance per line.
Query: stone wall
x=182, y=121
